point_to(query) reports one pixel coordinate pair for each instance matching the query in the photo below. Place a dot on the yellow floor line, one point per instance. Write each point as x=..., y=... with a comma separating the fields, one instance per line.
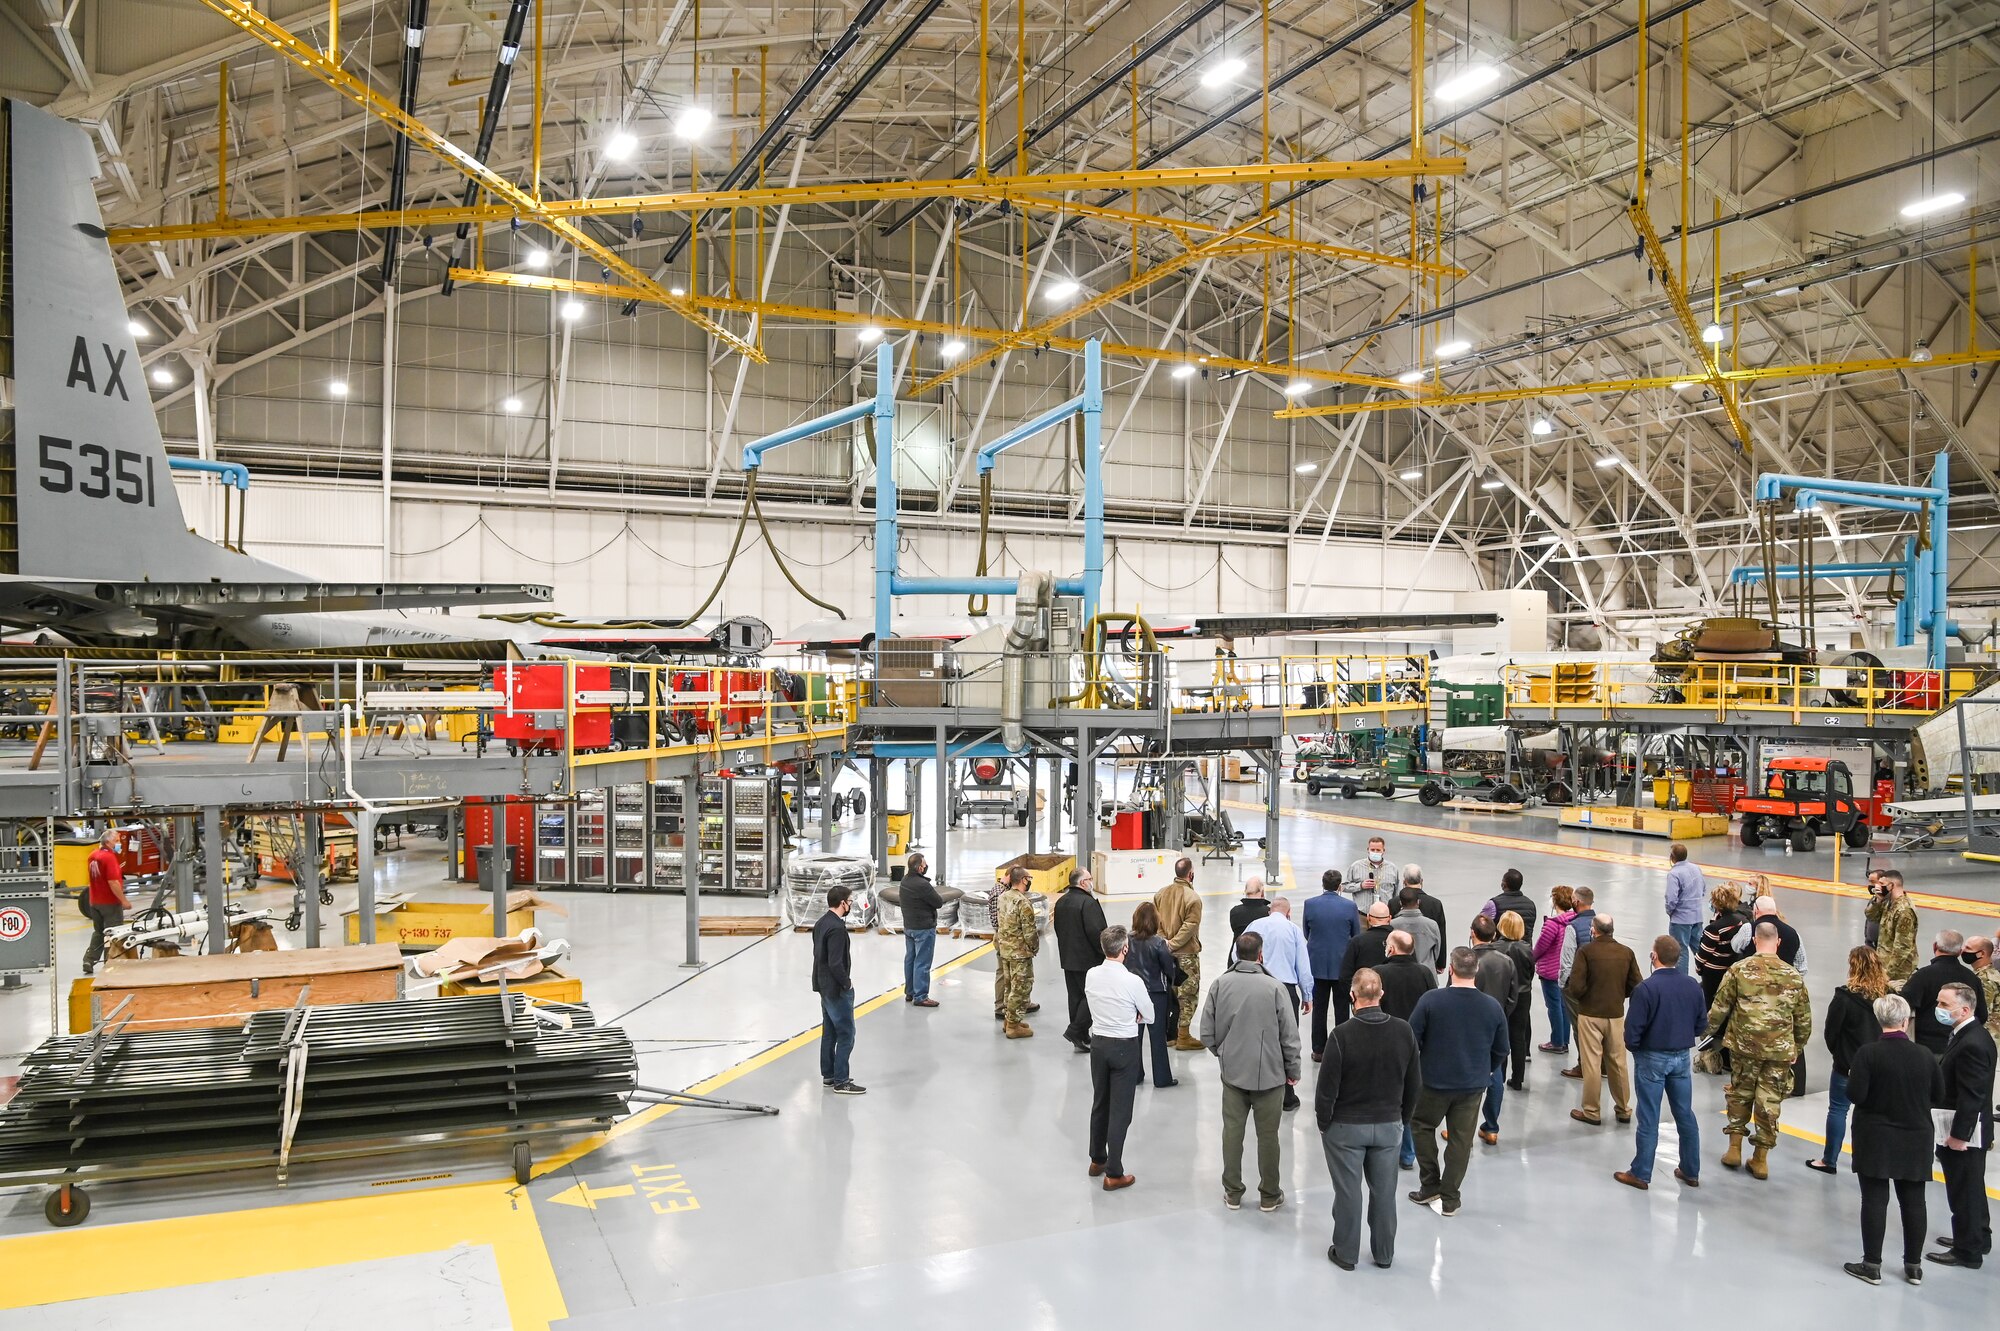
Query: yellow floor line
x=99, y=1259
x=583, y=1146
x=1824, y=886
x=1937, y=1176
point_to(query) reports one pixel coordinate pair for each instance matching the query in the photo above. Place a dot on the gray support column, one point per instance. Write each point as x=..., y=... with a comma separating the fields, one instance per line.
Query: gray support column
x=829, y=772
x=1274, y=804
x=1034, y=788
x=364, y=873
x=307, y=869
x=691, y=865
x=1055, y=804
x=1086, y=799
x=183, y=862
x=913, y=796
x=878, y=814
x=1173, y=804
x=502, y=870
x=942, y=813
x=217, y=892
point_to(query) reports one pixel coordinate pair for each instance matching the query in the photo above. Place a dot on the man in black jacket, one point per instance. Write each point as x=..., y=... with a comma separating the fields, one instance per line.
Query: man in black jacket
x=1248, y=911
x=833, y=981
x=921, y=904
x=1967, y=1066
x=1921, y=990
x=1368, y=1084
x=1404, y=980
x=1079, y=928
x=1369, y=948
x=1511, y=897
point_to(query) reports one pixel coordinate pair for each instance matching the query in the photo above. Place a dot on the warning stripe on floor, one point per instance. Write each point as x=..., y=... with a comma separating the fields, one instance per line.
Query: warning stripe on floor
x=1799, y=882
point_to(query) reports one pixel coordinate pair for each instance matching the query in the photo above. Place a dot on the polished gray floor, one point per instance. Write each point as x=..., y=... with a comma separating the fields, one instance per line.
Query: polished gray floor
x=962, y=1171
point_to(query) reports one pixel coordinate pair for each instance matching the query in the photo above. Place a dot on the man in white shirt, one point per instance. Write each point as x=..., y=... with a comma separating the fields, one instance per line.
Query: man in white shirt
x=1374, y=877
x=1119, y=1006
x=1286, y=962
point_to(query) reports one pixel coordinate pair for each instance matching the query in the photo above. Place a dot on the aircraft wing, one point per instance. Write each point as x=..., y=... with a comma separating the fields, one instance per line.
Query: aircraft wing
x=1289, y=625
x=852, y=635
x=32, y=601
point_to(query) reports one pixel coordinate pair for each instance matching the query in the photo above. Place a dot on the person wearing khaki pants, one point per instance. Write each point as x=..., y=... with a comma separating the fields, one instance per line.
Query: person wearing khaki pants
x=1602, y=978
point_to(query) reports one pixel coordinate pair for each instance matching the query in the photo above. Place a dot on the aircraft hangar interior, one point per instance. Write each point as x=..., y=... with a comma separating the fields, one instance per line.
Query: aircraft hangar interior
x=1233, y=612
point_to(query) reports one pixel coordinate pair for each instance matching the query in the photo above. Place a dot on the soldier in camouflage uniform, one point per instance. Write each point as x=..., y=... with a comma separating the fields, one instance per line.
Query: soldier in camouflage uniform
x=1179, y=906
x=1895, y=921
x=1016, y=938
x=1763, y=1007
x=1979, y=953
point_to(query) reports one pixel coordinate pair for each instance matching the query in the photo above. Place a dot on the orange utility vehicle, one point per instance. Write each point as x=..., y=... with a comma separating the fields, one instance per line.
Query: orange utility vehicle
x=1804, y=798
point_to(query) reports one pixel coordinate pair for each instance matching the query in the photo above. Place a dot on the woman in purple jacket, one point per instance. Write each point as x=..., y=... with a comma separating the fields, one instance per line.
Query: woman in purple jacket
x=1548, y=966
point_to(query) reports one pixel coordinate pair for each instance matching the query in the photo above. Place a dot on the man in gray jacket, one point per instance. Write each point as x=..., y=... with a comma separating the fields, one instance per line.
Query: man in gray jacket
x=1251, y=1026
x=1423, y=931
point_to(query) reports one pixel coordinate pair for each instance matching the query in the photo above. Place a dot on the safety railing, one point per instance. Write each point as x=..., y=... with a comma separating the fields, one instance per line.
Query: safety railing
x=908, y=676
x=625, y=713
x=1724, y=690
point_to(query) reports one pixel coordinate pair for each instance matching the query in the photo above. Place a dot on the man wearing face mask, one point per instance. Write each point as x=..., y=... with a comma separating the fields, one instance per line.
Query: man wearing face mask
x=1374, y=877
x=1967, y=1068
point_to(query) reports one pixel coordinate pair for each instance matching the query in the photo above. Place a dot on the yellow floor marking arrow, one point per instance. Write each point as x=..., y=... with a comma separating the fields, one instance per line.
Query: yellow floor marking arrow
x=587, y=1197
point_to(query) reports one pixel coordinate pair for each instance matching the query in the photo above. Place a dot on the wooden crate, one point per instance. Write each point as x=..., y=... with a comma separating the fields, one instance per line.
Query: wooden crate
x=1664, y=823
x=79, y=1004
x=217, y=990
x=419, y=926
x=739, y=926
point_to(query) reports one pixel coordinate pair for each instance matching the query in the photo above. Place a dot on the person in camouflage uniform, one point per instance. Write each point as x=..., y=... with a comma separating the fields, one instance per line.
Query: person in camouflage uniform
x=1979, y=954
x=1179, y=906
x=1016, y=938
x=1895, y=921
x=1767, y=1018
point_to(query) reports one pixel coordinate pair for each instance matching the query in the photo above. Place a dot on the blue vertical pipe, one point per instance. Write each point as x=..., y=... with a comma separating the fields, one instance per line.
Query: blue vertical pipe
x=1093, y=477
x=885, y=491
x=1940, y=615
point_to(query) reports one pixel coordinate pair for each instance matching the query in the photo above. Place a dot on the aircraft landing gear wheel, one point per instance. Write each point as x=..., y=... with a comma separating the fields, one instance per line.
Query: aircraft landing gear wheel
x=524, y=1162
x=1431, y=795
x=1753, y=835
x=1804, y=839
x=66, y=1205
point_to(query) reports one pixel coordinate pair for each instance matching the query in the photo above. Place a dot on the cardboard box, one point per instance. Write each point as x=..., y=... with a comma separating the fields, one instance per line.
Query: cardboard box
x=1131, y=873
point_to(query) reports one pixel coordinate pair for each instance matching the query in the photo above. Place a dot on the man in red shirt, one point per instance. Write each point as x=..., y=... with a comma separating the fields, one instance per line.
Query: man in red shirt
x=104, y=901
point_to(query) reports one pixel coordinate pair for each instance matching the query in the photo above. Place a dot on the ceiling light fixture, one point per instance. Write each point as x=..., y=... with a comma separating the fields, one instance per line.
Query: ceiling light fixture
x=337, y=387
x=1936, y=203
x=1713, y=334
x=1298, y=388
x=1471, y=79
x=1922, y=354
x=1183, y=372
x=693, y=122
x=953, y=349
x=510, y=405
x=571, y=311
x=1608, y=461
x=1222, y=71
x=1493, y=483
x=163, y=375
x=868, y=334
x=1681, y=385
x=620, y=146
x=1410, y=377
x=1060, y=289
x=1413, y=474
x=1453, y=349
x=537, y=257
x=137, y=329
x=1542, y=425
x=677, y=291
x=1306, y=468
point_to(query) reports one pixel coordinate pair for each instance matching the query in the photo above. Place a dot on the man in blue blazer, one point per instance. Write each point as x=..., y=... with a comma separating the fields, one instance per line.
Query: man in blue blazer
x=1331, y=922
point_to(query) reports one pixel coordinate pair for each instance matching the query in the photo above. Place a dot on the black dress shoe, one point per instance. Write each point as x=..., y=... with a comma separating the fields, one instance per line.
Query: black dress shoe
x=1345, y=1266
x=1952, y=1257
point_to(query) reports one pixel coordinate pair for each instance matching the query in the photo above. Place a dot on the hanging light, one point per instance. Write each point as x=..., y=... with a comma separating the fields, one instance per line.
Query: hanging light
x=1681, y=385
x=137, y=329
x=1608, y=461
x=1223, y=71
x=1936, y=203
x=1183, y=372
x=1543, y=425
x=1298, y=388
x=337, y=387
x=693, y=122
x=1453, y=349
x=677, y=292
x=621, y=145
x=571, y=310
x=1306, y=468
x=1492, y=483
x=162, y=375
x=1410, y=377
x=511, y=405
x=1413, y=474
x=1471, y=79
x=1060, y=289
x=1713, y=334
x=868, y=334
x=1922, y=354
x=952, y=350
x=537, y=257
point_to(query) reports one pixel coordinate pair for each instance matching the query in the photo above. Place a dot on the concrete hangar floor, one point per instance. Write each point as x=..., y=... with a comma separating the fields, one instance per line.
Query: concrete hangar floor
x=956, y=1188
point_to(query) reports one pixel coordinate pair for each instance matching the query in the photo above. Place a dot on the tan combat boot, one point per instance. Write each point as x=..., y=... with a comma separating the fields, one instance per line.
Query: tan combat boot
x=1733, y=1157
x=1759, y=1168
x=1183, y=1040
x=1018, y=1030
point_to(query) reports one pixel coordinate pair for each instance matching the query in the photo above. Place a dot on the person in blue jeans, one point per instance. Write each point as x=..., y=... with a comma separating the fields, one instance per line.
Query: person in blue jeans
x=1663, y=1020
x=1850, y=1023
x=1687, y=890
x=921, y=903
x=833, y=981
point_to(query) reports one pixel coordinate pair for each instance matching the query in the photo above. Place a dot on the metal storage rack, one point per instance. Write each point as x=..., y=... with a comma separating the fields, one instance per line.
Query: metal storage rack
x=592, y=837
x=628, y=836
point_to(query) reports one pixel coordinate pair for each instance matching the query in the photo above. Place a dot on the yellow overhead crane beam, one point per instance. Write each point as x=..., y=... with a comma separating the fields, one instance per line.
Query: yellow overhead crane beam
x=768, y=310
x=522, y=203
x=1021, y=191
x=1487, y=396
x=1710, y=361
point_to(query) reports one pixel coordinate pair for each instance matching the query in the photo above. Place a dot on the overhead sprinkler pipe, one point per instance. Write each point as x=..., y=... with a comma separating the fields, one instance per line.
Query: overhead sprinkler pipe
x=1089, y=404
x=1931, y=571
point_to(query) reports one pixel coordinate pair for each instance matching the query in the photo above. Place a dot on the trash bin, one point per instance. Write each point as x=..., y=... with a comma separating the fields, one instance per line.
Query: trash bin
x=899, y=834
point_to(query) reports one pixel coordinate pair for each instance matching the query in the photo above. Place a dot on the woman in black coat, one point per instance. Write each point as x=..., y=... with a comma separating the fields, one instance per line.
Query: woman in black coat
x=1152, y=961
x=1850, y=1023
x=1892, y=1082
x=1714, y=956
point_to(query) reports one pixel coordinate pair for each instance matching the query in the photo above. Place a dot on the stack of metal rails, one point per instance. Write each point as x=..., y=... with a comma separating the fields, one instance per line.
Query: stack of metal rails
x=309, y=1083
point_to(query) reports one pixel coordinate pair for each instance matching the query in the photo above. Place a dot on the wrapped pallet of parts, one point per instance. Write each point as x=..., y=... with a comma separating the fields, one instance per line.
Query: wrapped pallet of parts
x=808, y=877
x=889, y=908
x=977, y=912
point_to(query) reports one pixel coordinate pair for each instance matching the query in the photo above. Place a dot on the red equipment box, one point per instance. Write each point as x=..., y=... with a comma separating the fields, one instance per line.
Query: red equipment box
x=538, y=704
x=478, y=831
